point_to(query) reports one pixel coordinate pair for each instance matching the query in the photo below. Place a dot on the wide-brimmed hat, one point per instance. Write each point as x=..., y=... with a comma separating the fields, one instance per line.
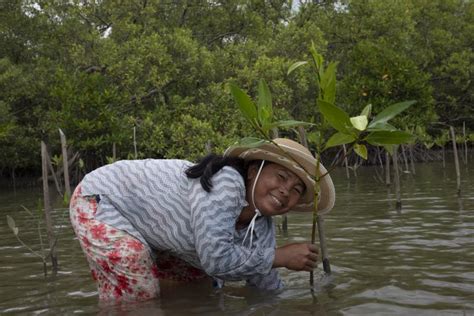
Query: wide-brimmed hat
x=297, y=159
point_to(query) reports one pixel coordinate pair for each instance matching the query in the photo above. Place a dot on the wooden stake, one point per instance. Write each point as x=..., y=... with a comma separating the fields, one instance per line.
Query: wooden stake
x=48, y=209
x=135, y=141
x=319, y=221
x=465, y=142
x=444, y=159
x=405, y=158
x=412, y=159
x=456, y=161
x=284, y=222
x=346, y=163
x=67, y=184
x=398, y=204
x=387, y=168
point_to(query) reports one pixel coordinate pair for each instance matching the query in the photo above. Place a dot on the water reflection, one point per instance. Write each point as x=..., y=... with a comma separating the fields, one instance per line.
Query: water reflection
x=418, y=261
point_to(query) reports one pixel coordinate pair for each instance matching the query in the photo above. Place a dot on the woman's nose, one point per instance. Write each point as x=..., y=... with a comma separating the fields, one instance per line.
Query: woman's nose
x=284, y=190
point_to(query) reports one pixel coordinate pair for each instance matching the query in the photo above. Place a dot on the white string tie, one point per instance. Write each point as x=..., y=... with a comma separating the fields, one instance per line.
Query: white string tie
x=257, y=211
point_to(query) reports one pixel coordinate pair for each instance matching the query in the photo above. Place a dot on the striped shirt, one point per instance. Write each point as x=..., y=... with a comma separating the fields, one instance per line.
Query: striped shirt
x=157, y=203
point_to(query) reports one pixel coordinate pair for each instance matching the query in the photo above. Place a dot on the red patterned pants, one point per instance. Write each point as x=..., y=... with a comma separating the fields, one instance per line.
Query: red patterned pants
x=121, y=264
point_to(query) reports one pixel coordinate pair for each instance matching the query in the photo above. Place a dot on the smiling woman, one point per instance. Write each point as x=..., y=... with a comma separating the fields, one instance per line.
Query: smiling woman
x=142, y=221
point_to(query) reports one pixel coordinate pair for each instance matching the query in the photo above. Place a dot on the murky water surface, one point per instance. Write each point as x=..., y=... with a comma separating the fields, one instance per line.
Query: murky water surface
x=419, y=261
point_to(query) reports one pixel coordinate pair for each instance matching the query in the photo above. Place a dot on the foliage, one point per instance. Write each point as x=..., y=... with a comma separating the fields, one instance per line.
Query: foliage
x=97, y=69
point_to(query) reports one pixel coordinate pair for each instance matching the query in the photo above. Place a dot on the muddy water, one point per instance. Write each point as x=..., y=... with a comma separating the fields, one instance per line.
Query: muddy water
x=417, y=261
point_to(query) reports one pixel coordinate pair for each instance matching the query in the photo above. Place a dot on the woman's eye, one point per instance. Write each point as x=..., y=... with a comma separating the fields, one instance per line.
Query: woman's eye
x=298, y=190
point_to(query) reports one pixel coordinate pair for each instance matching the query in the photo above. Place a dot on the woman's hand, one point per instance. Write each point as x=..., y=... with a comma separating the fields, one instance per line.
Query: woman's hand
x=297, y=257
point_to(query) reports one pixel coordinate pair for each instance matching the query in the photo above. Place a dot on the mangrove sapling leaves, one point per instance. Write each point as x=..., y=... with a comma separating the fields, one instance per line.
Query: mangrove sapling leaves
x=339, y=139
x=317, y=58
x=361, y=150
x=12, y=225
x=296, y=65
x=381, y=127
x=328, y=83
x=244, y=102
x=367, y=111
x=390, y=112
x=359, y=122
x=314, y=137
x=251, y=142
x=265, y=110
x=335, y=116
x=289, y=124
x=389, y=138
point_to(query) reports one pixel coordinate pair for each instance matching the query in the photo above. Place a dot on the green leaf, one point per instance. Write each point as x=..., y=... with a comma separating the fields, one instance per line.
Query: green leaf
x=317, y=58
x=251, y=142
x=265, y=110
x=389, y=137
x=328, y=83
x=361, y=150
x=289, y=123
x=367, y=110
x=295, y=66
x=381, y=127
x=390, y=112
x=339, y=139
x=359, y=122
x=335, y=116
x=245, y=103
x=314, y=137
x=12, y=225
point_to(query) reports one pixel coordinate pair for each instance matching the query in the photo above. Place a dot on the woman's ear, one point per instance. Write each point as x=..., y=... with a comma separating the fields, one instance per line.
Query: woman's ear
x=252, y=171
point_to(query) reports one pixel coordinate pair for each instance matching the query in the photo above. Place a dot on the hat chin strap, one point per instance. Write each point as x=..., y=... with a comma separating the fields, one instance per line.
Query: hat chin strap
x=257, y=211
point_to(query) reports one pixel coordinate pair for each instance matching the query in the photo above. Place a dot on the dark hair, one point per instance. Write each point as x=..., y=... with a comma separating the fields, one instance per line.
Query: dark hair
x=206, y=167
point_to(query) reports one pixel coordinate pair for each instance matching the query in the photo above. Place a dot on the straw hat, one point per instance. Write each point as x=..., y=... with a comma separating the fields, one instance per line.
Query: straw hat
x=304, y=168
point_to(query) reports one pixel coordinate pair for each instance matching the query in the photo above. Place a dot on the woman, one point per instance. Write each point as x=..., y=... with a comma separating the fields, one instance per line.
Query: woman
x=141, y=221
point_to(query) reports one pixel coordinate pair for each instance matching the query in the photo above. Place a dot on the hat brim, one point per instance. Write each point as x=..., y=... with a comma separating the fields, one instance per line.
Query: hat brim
x=304, y=168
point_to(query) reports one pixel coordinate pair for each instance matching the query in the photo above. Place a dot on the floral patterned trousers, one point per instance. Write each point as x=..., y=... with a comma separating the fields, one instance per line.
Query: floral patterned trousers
x=121, y=264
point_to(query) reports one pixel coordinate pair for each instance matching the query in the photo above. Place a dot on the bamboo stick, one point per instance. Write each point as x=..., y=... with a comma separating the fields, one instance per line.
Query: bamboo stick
x=67, y=184
x=114, y=152
x=47, y=208
x=456, y=161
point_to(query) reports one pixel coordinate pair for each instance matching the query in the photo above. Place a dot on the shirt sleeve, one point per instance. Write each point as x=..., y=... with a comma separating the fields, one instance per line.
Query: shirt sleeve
x=214, y=215
x=270, y=281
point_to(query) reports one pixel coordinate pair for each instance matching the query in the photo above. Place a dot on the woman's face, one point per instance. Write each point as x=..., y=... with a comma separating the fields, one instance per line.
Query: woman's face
x=277, y=190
